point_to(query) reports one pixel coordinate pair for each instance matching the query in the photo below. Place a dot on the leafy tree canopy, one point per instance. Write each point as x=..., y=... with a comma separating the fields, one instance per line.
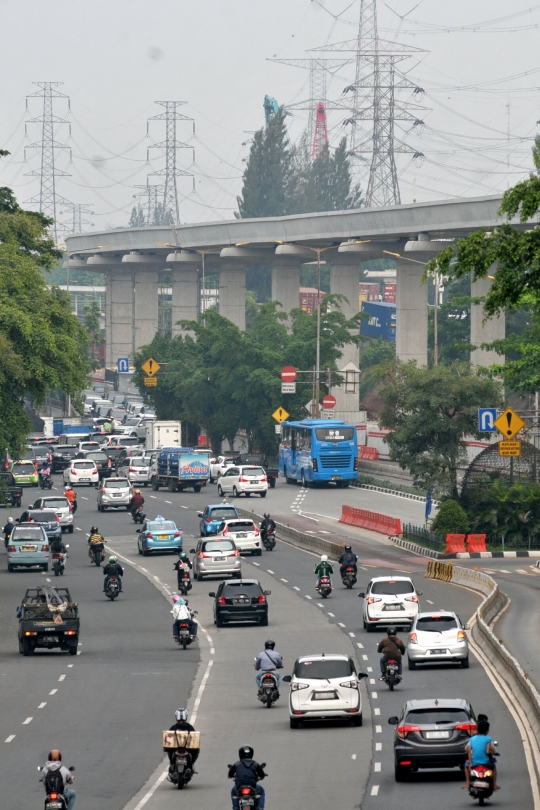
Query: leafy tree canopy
x=451, y=519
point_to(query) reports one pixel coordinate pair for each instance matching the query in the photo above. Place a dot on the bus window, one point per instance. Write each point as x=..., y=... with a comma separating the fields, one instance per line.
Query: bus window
x=304, y=439
x=286, y=437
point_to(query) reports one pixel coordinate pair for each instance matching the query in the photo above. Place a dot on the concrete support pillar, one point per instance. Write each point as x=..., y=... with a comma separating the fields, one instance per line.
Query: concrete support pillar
x=411, y=313
x=108, y=318
x=493, y=329
x=232, y=294
x=185, y=295
x=285, y=285
x=121, y=315
x=344, y=278
x=146, y=305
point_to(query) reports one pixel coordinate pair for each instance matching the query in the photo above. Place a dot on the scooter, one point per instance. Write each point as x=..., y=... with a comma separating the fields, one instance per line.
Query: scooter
x=348, y=577
x=54, y=800
x=96, y=554
x=324, y=587
x=391, y=675
x=45, y=481
x=59, y=563
x=269, y=541
x=268, y=690
x=481, y=782
x=181, y=772
x=184, y=581
x=138, y=515
x=113, y=589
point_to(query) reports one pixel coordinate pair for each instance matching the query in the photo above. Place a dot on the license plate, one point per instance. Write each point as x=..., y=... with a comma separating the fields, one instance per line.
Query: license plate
x=241, y=601
x=84, y=480
x=437, y=735
x=55, y=805
x=29, y=548
x=336, y=478
x=217, y=559
x=163, y=537
x=480, y=784
x=241, y=535
x=247, y=802
x=437, y=652
x=50, y=639
x=393, y=607
x=324, y=696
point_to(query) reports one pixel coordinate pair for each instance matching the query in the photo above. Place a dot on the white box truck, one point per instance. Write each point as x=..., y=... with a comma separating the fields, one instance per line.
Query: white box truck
x=163, y=434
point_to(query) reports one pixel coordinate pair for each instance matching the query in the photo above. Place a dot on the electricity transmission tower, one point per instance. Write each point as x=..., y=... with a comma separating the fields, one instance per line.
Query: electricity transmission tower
x=320, y=136
x=76, y=219
x=47, y=200
x=151, y=195
x=170, y=205
x=375, y=98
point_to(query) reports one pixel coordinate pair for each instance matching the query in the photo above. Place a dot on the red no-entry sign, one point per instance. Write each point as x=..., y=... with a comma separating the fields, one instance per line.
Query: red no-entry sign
x=288, y=374
x=328, y=402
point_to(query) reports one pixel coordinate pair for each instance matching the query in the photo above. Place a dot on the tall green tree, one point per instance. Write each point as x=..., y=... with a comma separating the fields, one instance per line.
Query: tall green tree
x=430, y=411
x=137, y=218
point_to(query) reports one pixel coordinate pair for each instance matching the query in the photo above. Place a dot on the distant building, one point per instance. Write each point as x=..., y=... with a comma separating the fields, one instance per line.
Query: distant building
x=310, y=299
x=369, y=291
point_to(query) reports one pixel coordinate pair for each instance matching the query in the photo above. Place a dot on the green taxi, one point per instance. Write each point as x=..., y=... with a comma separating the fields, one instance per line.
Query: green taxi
x=24, y=473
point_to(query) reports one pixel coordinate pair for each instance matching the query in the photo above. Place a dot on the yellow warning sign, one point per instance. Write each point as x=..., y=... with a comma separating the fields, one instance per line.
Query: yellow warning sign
x=151, y=367
x=150, y=382
x=512, y=449
x=280, y=414
x=509, y=423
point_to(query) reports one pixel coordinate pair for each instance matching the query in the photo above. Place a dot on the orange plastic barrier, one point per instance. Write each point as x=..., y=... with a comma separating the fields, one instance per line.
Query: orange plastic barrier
x=369, y=453
x=476, y=542
x=455, y=543
x=370, y=520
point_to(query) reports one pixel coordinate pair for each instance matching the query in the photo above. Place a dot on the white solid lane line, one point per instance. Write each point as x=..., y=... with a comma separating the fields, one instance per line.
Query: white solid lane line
x=28, y=720
x=10, y=738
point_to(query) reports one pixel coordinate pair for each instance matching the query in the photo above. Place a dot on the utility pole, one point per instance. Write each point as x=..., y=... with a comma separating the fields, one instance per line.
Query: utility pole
x=171, y=171
x=47, y=200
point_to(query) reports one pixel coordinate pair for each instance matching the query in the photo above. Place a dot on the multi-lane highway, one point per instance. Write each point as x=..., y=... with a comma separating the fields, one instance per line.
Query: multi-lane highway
x=112, y=701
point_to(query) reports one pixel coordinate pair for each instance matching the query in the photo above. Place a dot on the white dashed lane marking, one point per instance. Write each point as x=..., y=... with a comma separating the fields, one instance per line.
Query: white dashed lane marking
x=376, y=711
x=378, y=729
x=284, y=580
x=295, y=588
x=378, y=746
x=28, y=720
x=375, y=790
x=53, y=692
x=341, y=624
x=269, y=571
x=377, y=767
x=42, y=705
x=359, y=645
x=62, y=678
x=10, y=738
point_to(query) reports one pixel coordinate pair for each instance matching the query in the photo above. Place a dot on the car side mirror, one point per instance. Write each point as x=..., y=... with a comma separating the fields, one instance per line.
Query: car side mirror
x=267, y=593
x=212, y=594
x=362, y=675
x=362, y=595
x=199, y=514
x=419, y=593
x=286, y=679
x=137, y=531
x=393, y=721
x=192, y=551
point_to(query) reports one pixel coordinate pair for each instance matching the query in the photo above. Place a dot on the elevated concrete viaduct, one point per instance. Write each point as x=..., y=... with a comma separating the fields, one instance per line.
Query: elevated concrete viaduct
x=132, y=258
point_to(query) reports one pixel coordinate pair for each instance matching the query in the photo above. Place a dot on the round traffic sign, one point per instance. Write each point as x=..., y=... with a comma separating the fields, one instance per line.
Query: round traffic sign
x=328, y=402
x=288, y=374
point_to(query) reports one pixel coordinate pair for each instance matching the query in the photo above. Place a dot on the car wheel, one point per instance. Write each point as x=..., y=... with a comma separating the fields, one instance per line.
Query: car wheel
x=70, y=529
x=27, y=648
x=199, y=578
x=145, y=552
x=139, y=549
x=465, y=663
x=401, y=774
x=263, y=494
x=272, y=483
x=10, y=568
x=235, y=492
x=369, y=627
x=293, y=722
x=218, y=621
x=248, y=494
x=411, y=664
x=304, y=483
x=45, y=567
x=219, y=491
x=259, y=552
x=358, y=720
x=264, y=621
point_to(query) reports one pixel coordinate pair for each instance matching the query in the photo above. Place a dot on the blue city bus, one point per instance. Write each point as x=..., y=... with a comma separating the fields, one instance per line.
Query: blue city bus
x=318, y=450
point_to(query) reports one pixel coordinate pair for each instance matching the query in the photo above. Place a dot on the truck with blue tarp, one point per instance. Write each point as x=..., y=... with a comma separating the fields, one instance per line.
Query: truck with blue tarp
x=179, y=468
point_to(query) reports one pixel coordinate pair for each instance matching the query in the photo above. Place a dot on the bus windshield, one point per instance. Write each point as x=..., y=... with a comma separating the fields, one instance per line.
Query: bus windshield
x=344, y=434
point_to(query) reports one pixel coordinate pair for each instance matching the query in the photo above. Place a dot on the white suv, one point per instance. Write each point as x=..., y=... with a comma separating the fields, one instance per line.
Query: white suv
x=60, y=506
x=325, y=687
x=114, y=493
x=245, y=534
x=243, y=480
x=81, y=471
x=390, y=601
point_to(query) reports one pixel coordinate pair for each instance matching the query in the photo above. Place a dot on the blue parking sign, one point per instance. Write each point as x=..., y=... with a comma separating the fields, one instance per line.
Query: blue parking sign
x=122, y=365
x=486, y=418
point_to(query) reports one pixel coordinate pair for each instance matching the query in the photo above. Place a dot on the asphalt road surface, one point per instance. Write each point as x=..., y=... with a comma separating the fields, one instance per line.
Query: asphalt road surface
x=109, y=710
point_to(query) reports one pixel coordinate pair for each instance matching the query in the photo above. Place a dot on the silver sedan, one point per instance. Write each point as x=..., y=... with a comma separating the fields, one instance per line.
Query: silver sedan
x=436, y=638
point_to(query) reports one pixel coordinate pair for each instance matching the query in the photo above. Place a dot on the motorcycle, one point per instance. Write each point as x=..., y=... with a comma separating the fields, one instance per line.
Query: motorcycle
x=96, y=554
x=45, y=481
x=481, y=782
x=184, y=581
x=268, y=690
x=184, y=634
x=324, y=587
x=348, y=577
x=391, y=675
x=113, y=589
x=53, y=800
x=269, y=540
x=138, y=515
x=181, y=772
x=59, y=563
x=248, y=797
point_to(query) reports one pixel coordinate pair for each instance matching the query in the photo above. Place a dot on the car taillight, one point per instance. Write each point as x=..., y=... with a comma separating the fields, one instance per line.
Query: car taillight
x=243, y=479
x=11, y=548
x=208, y=520
x=262, y=599
x=411, y=599
x=221, y=600
x=236, y=553
x=371, y=599
x=44, y=548
x=264, y=479
x=470, y=728
x=148, y=536
x=356, y=463
x=30, y=633
x=178, y=534
x=315, y=465
x=133, y=469
x=295, y=687
x=57, y=519
x=257, y=532
x=109, y=463
x=402, y=731
x=6, y=465
x=349, y=684
x=73, y=472
x=70, y=633
x=413, y=638
x=103, y=489
x=461, y=635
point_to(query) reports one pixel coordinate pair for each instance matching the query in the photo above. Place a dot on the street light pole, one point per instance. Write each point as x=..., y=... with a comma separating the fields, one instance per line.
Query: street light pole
x=435, y=321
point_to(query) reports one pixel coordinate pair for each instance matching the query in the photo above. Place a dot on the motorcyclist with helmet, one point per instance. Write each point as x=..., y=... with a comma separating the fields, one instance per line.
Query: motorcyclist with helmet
x=8, y=528
x=182, y=725
x=95, y=541
x=268, y=526
x=113, y=569
x=136, y=502
x=269, y=660
x=391, y=647
x=71, y=496
x=182, y=613
x=324, y=569
x=182, y=564
x=348, y=559
x=246, y=772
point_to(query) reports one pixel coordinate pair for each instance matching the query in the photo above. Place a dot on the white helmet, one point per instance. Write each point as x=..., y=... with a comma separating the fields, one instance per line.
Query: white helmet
x=324, y=558
x=181, y=715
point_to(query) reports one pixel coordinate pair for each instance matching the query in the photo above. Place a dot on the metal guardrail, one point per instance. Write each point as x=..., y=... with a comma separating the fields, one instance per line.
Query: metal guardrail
x=416, y=534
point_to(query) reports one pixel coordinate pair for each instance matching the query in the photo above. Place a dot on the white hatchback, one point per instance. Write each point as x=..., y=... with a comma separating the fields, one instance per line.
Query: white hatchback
x=81, y=471
x=243, y=480
x=136, y=469
x=218, y=466
x=245, y=534
x=390, y=601
x=325, y=687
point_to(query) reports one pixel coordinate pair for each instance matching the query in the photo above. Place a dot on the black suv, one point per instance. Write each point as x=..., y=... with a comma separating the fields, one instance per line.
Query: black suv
x=432, y=734
x=242, y=600
x=62, y=456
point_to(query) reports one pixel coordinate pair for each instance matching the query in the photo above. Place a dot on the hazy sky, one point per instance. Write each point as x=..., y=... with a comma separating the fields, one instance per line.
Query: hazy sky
x=117, y=58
